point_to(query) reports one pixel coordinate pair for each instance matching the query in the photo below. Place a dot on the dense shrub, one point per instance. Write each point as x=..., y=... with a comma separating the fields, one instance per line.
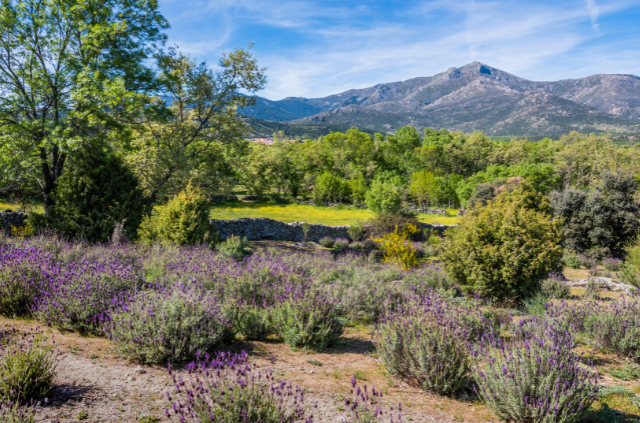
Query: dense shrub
x=535, y=379
x=612, y=264
x=384, y=224
x=330, y=187
x=616, y=327
x=327, y=242
x=341, y=244
x=604, y=219
x=13, y=412
x=27, y=367
x=356, y=232
x=592, y=289
x=505, y=249
x=572, y=261
x=95, y=191
x=367, y=407
x=588, y=261
x=169, y=324
x=398, y=249
x=383, y=198
x=226, y=389
x=631, y=266
x=236, y=248
x=554, y=288
x=425, y=342
x=183, y=220
x=307, y=321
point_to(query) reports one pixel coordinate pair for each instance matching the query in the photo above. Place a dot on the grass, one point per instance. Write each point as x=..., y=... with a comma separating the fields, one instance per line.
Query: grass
x=38, y=208
x=331, y=216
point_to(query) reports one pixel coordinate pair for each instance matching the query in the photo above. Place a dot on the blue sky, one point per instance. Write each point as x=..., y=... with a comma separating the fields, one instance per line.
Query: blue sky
x=316, y=48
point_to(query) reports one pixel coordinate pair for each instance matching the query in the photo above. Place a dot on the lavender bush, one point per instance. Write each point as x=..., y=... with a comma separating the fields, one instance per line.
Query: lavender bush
x=327, y=242
x=13, y=412
x=616, y=326
x=552, y=287
x=592, y=289
x=612, y=264
x=426, y=342
x=365, y=407
x=27, y=366
x=226, y=389
x=169, y=323
x=535, y=379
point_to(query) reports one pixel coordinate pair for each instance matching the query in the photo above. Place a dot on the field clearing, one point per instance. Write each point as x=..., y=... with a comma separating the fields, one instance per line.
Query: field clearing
x=331, y=216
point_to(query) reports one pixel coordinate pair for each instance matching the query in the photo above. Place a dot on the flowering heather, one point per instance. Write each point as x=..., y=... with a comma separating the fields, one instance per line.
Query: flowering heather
x=616, y=326
x=169, y=323
x=426, y=341
x=612, y=264
x=367, y=407
x=27, y=366
x=226, y=389
x=534, y=379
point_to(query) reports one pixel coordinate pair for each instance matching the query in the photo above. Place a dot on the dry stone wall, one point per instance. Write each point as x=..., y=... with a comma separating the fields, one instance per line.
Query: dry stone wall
x=265, y=229
x=10, y=218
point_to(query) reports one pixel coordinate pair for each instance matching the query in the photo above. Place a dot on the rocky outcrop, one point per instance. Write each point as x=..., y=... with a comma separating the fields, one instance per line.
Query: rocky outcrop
x=269, y=229
x=10, y=218
x=605, y=283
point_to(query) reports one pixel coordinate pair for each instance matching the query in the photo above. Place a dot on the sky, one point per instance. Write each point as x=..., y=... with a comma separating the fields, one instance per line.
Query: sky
x=316, y=48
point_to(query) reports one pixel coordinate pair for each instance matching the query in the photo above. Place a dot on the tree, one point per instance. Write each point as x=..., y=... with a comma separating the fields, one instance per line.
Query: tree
x=605, y=219
x=330, y=187
x=168, y=150
x=422, y=186
x=383, y=198
x=94, y=193
x=505, y=249
x=71, y=71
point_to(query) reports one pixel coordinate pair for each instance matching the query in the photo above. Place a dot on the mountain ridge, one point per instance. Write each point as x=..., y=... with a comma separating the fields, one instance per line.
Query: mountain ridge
x=473, y=97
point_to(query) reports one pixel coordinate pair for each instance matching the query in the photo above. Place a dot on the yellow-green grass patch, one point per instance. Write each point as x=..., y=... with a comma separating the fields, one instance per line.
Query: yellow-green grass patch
x=332, y=216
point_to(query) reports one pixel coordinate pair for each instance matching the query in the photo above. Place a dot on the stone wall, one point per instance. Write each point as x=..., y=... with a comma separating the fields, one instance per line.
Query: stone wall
x=263, y=228
x=10, y=218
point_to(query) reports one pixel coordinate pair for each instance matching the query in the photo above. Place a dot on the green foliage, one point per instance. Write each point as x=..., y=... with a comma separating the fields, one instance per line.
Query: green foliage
x=606, y=218
x=356, y=232
x=383, y=198
x=553, y=288
x=629, y=371
x=504, y=250
x=422, y=187
x=309, y=322
x=27, y=367
x=327, y=242
x=572, y=261
x=13, y=412
x=592, y=289
x=183, y=220
x=94, y=194
x=631, y=266
x=236, y=247
x=329, y=187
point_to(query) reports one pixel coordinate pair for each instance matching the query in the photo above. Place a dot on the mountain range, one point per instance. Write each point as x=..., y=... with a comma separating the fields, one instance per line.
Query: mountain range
x=472, y=97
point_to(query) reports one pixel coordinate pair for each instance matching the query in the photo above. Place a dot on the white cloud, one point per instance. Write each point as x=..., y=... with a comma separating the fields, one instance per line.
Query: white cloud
x=594, y=13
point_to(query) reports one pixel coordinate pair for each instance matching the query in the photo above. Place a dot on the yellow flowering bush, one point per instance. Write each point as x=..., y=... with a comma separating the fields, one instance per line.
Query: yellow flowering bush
x=21, y=231
x=398, y=249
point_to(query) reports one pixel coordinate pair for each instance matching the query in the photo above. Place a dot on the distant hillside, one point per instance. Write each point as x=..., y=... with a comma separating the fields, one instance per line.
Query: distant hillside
x=475, y=96
x=263, y=128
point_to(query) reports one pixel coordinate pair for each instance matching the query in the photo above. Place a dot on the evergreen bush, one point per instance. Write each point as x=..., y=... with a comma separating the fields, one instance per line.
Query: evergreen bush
x=236, y=248
x=95, y=192
x=183, y=220
x=383, y=198
x=505, y=249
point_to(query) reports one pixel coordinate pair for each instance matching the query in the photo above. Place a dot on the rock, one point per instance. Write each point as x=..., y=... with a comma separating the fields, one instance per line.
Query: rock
x=605, y=283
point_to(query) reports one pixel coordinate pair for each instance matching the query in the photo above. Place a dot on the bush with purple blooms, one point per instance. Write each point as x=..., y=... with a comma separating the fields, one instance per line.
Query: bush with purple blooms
x=169, y=324
x=13, y=412
x=554, y=288
x=307, y=321
x=27, y=366
x=365, y=407
x=226, y=389
x=426, y=341
x=612, y=264
x=616, y=326
x=327, y=242
x=535, y=379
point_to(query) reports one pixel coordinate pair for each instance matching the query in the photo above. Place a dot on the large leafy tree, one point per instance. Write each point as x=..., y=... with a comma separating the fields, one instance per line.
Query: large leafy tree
x=200, y=126
x=70, y=71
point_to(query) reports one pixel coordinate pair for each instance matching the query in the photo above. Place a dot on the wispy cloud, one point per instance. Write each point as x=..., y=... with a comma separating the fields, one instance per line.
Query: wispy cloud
x=316, y=48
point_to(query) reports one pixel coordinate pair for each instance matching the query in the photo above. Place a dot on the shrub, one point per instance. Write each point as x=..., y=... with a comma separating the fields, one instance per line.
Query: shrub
x=616, y=327
x=384, y=224
x=95, y=191
x=236, y=248
x=571, y=261
x=326, y=242
x=383, y=198
x=183, y=220
x=631, y=266
x=365, y=407
x=612, y=264
x=330, y=187
x=169, y=324
x=592, y=289
x=425, y=342
x=397, y=248
x=13, y=412
x=226, y=389
x=588, y=261
x=553, y=288
x=606, y=218
x=340, y=244
x=356, y=232
x=307, y=321
x=505, y=249
x=27, y=367
x=536, y=379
